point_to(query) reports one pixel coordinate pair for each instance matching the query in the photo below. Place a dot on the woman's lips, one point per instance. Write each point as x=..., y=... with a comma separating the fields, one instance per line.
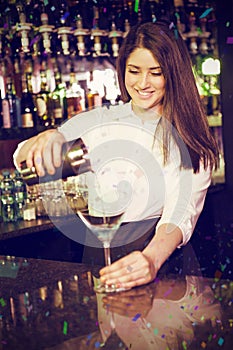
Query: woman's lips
x=145, y=94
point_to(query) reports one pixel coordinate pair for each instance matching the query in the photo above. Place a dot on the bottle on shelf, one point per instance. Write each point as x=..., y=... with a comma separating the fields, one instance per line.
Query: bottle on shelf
x=42, y=102
x=59, y=103
x=20, y=192
x=29, y=210
x=7, y=198
x=11, y=107
x=75, y=96
x=28, y=112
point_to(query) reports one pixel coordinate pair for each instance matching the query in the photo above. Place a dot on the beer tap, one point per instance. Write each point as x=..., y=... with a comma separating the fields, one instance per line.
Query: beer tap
x=81, y=33
x=115, y=35
x=23, y=28
x=45, y=29
x=97, y=34
x=204, y=36
x=63, y=34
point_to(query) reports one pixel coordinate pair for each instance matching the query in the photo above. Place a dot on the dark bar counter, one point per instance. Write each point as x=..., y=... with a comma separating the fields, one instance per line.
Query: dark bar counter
x=51, y=305
x=42, y=238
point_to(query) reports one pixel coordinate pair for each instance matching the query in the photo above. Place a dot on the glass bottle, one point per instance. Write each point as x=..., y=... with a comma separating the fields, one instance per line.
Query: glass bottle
x=20, y=194
x=42, y=101
x=59, y=104
x=29, y=210
x=27, y=105
x=10, y=106
x=7, y=197
x=75, y=97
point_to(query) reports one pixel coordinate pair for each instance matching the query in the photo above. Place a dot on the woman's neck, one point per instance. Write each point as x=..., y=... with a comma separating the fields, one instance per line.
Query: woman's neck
x=147, y=114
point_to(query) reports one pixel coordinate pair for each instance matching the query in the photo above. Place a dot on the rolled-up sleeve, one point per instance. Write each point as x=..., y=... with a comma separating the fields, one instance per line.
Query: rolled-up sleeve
x=184, y=199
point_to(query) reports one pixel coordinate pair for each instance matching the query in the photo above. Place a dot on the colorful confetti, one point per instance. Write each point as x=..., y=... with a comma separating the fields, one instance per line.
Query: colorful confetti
x=136, y=6
x=136, y=317
x=206, y=12
x=220, y=341
x=65, y=327
x=230, y=40
x=2, y=302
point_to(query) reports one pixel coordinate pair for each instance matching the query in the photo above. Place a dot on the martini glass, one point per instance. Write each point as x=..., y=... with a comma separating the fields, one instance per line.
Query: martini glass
x=104, y=227
x=103, y=216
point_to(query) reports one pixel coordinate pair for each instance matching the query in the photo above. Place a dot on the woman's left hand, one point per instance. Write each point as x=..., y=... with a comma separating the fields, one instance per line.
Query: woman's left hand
x=130, y=271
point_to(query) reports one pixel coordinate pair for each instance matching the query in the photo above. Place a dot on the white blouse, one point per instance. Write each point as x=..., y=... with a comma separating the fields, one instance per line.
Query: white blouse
x=123, y=149
x=128, y=164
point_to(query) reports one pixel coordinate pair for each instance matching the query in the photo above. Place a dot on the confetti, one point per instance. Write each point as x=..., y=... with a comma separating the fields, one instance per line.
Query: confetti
x=220, y=341
x=137, y=316
x=2, y=302
x=206, y=12
x=64, y=17
x=156, y=331
x=65, y=327
x=136, y=6
x=168, y=292
x=230, y=40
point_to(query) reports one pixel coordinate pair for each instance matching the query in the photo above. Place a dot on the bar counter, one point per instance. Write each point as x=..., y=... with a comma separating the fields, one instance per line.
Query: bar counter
x=42, y=238
x=51, y=305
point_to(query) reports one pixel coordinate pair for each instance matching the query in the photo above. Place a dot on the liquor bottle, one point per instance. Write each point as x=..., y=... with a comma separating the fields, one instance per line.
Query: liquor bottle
x=10, y=106
x=59, y=104
x=75, y=97
x=7, y=197
x=20, y=192
x=41, y=101
x=27, y=105
x=29, y=210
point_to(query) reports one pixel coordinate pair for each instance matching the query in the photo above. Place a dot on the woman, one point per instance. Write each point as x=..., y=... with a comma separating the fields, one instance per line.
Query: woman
x=160, y=94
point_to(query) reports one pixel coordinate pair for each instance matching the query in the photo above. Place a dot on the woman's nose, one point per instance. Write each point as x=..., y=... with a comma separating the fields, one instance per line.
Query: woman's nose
x=143, y=81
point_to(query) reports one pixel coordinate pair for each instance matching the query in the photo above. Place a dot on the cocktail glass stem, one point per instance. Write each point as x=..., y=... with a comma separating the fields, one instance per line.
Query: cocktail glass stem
x=107, y=255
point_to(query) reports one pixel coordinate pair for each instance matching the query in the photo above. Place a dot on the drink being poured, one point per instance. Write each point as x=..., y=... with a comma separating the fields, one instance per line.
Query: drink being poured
x=75, y=161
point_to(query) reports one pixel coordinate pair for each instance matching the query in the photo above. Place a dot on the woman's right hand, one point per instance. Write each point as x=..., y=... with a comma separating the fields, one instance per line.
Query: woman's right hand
x=42, y=151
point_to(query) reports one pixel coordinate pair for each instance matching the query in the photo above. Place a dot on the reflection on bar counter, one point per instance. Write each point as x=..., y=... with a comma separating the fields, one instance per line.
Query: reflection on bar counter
x=57, y=309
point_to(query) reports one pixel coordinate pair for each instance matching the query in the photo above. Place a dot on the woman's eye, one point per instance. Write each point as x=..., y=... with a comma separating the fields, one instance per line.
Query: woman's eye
x=133, y=71
x=157, y=74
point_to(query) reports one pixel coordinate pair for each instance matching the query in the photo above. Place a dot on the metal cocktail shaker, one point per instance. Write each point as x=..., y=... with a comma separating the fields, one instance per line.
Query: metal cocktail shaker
x=75, y=161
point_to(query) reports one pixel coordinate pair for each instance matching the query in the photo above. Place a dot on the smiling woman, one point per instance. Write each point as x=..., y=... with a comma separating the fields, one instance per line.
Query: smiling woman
x=157, y=145
x=145, y=83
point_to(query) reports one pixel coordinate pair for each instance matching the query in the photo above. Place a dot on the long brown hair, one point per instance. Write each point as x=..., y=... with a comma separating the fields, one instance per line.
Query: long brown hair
x=182, y=105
